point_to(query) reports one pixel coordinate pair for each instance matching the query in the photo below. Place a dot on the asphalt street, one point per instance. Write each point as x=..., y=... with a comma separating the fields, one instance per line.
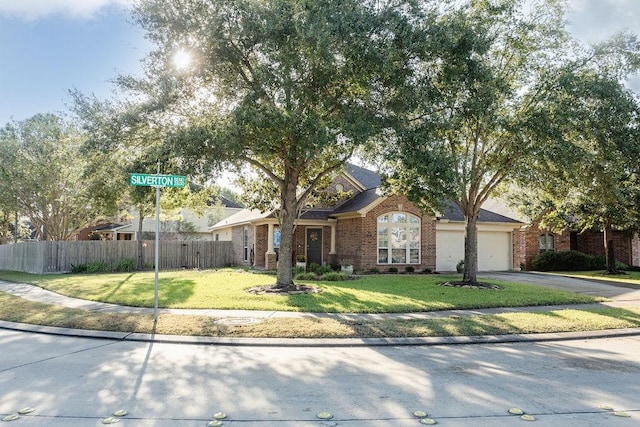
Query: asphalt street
x=71, y=381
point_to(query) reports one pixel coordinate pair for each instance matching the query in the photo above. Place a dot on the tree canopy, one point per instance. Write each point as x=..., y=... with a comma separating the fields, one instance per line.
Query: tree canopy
x=44, y=178
x=477, y=113
x=591, y=180
x=290, y=87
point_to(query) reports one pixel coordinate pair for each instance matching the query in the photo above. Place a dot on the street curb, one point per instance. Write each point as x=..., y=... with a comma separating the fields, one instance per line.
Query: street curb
x=318, y=342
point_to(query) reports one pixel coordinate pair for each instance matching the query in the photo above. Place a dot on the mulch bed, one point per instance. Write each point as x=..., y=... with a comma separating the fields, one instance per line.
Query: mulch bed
x=290, y=290
x=478, y=285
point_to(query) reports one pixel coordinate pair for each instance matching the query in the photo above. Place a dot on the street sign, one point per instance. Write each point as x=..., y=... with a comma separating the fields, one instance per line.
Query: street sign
x=157, y=181
x=148, y=180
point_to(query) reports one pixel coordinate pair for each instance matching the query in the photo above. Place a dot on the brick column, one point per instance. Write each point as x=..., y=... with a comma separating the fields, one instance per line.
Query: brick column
x=635, y=250
x=270, y=261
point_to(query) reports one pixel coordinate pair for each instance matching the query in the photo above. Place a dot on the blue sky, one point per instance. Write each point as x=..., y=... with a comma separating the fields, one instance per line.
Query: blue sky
x=54, y=46
x=50, y=46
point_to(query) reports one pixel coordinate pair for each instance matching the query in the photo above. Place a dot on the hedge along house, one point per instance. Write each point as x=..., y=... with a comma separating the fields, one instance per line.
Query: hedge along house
x=370, y=230
x=536, y=240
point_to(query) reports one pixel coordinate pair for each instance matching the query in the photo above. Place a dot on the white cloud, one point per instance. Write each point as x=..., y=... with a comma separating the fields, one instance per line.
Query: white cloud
x=35, y=9
x=596, y=20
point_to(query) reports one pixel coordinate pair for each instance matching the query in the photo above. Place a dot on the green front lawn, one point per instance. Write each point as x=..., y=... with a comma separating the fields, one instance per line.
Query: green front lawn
x=226, y=289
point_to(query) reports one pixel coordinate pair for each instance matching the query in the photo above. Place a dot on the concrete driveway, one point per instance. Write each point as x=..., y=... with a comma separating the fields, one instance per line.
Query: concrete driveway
x=617, y=291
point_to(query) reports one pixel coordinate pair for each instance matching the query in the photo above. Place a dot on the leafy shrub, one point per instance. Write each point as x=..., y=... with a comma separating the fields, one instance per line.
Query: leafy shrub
x=620, y=266
x=314, y=267
x=427, y=271
x=374, y=270
x=336, y=267
x=95, y=236
x=80, y=268
x=393, y=269
x=97, y=267
x=126, y=264
x=333, y=277
x=298, y=270
x=567, y=261
x=306, y=276
x=409, y=269
x=324, y=270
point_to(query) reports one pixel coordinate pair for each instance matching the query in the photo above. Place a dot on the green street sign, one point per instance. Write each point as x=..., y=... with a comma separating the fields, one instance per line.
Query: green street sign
x=148, y=180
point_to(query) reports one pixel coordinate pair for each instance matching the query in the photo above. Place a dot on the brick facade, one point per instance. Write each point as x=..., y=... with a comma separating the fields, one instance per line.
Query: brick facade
x=592, y=243
x=589, y=242
x=530, y=243
x=357, y=237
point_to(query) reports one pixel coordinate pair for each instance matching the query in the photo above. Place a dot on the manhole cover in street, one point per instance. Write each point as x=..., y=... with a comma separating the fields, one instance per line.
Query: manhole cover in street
x=237, y=321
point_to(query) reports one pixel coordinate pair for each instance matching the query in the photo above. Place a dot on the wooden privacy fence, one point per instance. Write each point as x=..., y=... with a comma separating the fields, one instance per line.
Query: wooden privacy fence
x=56, y=257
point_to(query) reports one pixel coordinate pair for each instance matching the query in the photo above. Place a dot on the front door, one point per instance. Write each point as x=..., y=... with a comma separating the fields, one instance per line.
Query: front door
x=314, y=245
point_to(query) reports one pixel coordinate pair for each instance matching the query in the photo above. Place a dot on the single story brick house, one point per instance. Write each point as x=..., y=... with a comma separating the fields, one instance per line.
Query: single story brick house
x=371, y=230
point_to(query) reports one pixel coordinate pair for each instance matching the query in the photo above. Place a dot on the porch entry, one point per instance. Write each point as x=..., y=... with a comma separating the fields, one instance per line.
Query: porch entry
x=314, y=245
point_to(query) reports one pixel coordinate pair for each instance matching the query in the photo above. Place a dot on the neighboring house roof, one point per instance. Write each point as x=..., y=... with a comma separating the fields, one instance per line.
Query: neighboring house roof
x=366, y=178
x=245, y=216
x=108, y=227
x=227, y=203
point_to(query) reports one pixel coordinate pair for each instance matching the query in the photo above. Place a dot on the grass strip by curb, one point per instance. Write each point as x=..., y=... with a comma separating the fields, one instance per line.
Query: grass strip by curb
x=16, y=309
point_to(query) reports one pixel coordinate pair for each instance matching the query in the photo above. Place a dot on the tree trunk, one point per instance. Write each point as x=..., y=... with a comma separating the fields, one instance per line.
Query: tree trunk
x=609, y=252
x=16, y=223
x=287, y=218
x=470, y=274
x=139, y=239
x=5, y=226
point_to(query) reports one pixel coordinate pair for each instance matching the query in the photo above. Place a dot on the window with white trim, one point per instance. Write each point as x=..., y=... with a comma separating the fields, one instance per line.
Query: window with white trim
x=547, y=243
x=398, y=238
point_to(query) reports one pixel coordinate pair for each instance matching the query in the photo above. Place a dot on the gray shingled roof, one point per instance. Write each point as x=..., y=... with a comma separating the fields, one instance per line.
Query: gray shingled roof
x=322, y=214
x=227, y=203
x=357, y=202
x=453, y=213
x=368, y=178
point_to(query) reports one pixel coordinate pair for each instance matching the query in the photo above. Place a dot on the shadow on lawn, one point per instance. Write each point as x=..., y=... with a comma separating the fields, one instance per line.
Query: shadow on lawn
x=170, y=291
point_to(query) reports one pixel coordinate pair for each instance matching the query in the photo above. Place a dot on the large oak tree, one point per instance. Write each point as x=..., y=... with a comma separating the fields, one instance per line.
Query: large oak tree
x=590, y=179
x=289, y=87
x=475, y=116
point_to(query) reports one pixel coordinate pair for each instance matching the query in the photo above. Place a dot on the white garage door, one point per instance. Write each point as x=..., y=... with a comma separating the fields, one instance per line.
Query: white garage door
x=494, y=250
x=449, y=249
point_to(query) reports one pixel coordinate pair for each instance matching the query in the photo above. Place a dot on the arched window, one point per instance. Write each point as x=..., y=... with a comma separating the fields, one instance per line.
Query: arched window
x=398, y=238
x=547, y=243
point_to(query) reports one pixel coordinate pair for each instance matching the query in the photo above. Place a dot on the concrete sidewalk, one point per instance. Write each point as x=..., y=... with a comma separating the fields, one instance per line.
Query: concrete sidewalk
x=620, y=295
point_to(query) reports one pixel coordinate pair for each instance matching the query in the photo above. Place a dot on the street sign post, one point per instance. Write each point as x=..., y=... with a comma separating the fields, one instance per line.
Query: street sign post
x=157, y=181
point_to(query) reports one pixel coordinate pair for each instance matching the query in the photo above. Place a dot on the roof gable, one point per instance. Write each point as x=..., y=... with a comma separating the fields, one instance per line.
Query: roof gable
x=367, y=179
